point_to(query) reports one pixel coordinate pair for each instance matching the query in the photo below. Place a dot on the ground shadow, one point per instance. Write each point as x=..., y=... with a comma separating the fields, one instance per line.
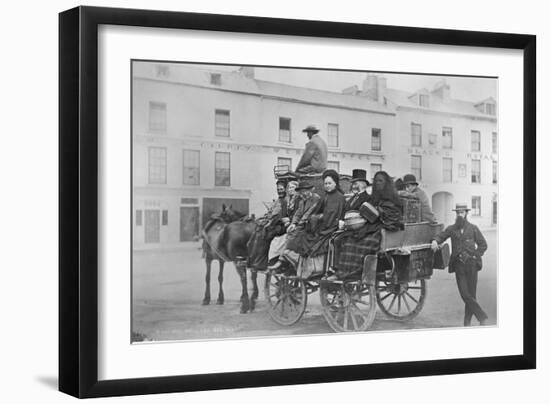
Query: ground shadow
x=48, y=381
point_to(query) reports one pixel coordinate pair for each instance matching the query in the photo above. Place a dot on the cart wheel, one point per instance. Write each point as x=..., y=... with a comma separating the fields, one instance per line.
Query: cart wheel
x=348, y=306
x=401, y=301
x=286, y=298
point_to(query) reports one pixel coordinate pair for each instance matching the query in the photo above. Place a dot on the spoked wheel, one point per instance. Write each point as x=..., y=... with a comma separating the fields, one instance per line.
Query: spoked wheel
x=348, y=306
x=286, y=298
x=401, y=301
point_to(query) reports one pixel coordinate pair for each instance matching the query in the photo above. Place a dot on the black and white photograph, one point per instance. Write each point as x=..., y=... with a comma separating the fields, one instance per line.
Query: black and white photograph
x=284, y=201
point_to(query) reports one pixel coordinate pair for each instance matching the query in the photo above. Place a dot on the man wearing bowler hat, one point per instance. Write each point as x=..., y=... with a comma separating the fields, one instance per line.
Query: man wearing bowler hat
x=412, y=190
x=468, y=246
x=359, y=184
x=314, y=159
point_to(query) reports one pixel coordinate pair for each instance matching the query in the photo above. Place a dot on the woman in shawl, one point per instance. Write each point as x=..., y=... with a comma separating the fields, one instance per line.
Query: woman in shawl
x=323, y=221
x=367, y=239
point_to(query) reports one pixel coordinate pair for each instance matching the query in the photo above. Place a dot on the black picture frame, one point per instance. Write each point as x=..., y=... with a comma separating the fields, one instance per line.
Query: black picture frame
x=78, y=200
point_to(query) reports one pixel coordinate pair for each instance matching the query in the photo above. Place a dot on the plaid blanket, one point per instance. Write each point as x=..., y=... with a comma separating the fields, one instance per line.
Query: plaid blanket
x=352, y=250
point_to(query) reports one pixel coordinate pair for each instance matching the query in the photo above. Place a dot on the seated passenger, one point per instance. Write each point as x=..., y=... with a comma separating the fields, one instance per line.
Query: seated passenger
x=312, y=240
x=359, y=184
x=412, y=190
x=355, y=245
x=304, y=202
x=279, y=243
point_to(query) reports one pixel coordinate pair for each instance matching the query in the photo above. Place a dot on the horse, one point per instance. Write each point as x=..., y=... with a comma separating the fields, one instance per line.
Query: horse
x=227, y=238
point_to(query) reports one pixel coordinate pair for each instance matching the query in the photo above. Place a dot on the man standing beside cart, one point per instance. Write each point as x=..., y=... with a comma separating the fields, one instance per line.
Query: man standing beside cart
x=468, y=246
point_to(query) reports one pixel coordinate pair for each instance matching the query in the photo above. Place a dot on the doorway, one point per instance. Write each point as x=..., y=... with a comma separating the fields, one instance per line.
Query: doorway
x=442, y=203
x=152, y=226
x=189, y=223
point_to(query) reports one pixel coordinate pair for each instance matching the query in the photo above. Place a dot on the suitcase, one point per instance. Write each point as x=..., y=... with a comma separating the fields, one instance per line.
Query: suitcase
x=442, y=257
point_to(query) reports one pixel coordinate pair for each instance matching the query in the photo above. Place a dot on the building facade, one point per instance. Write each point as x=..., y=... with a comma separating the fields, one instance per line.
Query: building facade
x=203, y=138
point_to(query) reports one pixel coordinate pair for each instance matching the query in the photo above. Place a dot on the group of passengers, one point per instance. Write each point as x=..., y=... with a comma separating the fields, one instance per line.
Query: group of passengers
x=311, y=220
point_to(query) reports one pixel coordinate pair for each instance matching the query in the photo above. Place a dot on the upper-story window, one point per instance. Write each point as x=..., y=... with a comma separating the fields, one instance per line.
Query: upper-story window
x=490, y=109
x=157, y=117
x=476, y=141
x=222, y=169
x=447, y=169
x=216, y=79
x=495, y=143
x=416, y=134
x=447, y=135
x=476, y=171
x=191, y=167
x=157, y=165
x=376, y=139
x=416, y=167
x=284, y=130
x=222, y=123
x=333, y=135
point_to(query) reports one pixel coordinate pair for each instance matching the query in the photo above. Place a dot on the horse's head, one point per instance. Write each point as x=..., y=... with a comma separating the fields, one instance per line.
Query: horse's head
x=228, y=214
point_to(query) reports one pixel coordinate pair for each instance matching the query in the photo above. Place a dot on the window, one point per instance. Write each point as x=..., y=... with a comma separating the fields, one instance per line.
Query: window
x=333, y=165
x=476, y=205
x=490, y=109
x=447, y=169
x=432, y=139
x=223, y=169
x=476, y=141
x=139, y=217
x=284, y=130
x=374, y=168
x=333, y=140
x=423, y=100
x=216, y=79
x=222, y=123
x=376, y=139
x=462, y=170
x=447, y=135
x=416, y=134
x=284, y=163
x=416, y=167
x=157, y=117
x=495, y=174
x=162, y=70
x=476, y=171
x=157, y=165
x=495, y=143
x=165, y=218
x=191, y=167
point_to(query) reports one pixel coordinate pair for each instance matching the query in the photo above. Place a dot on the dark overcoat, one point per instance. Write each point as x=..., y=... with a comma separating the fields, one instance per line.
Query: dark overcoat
x=470, y=241
x=355, y=202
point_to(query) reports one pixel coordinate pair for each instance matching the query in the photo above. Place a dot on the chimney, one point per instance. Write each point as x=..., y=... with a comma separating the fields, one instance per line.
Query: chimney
x=247, y=71
x=374, y=87
x=442, y=90
x=353, y=90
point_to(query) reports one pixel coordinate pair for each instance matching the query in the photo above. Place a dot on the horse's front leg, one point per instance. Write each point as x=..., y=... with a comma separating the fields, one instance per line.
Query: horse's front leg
x=220, y=282
x=206, y=299
x=245, y=305
x=254, y=297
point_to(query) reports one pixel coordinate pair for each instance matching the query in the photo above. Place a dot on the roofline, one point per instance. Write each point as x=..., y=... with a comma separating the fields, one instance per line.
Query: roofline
x=271, y=97
x=433, y=111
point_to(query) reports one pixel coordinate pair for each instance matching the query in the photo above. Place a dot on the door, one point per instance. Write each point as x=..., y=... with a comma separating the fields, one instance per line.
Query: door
x=189, y=223
x=152, y=226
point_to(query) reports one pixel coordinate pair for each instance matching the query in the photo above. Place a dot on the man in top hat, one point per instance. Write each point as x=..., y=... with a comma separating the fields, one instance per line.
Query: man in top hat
x=468, y=246
x=314, y=159
x=412, y=190
x=359, y=184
